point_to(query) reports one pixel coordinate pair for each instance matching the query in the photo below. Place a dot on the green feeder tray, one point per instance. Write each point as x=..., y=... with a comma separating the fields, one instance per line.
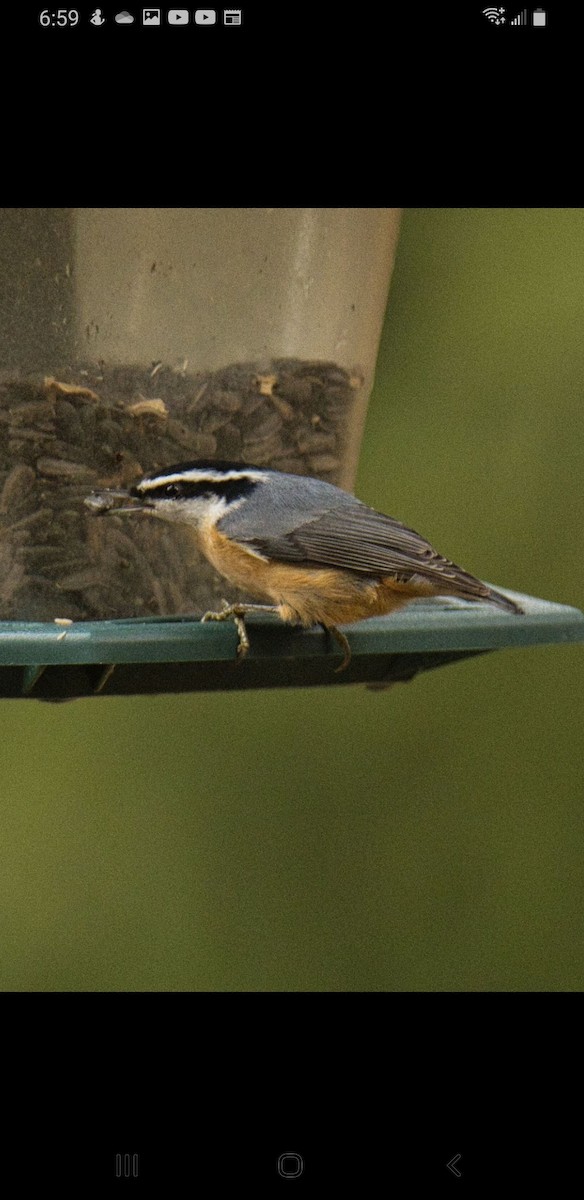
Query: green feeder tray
x=140, y=656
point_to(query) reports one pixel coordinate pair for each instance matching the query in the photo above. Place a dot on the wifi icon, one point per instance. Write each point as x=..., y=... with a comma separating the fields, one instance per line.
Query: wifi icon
x=495, y=15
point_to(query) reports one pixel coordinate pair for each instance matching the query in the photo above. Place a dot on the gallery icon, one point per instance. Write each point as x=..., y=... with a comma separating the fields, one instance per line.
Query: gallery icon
x=205, y=16
x=151, y=16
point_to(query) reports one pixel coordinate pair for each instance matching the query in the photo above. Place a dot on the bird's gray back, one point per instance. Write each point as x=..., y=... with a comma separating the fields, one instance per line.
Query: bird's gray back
x=286, y=502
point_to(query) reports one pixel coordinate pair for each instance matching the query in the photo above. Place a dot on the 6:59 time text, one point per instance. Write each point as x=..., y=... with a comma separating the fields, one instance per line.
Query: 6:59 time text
x=62, y=16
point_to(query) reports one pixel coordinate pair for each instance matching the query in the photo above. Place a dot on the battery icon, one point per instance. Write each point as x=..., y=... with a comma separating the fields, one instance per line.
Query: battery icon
x=539, y=17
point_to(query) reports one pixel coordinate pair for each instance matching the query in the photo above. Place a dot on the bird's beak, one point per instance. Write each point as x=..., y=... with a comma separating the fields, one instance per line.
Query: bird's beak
x=114, y=500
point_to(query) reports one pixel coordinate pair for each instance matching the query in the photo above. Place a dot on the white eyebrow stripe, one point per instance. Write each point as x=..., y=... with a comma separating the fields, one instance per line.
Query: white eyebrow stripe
x=197, y=476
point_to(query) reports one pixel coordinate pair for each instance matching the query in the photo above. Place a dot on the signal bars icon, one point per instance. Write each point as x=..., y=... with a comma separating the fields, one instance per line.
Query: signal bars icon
x=522, y=18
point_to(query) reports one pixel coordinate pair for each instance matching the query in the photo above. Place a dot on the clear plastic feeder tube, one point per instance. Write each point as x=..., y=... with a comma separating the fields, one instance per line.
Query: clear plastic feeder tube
x=134, y=338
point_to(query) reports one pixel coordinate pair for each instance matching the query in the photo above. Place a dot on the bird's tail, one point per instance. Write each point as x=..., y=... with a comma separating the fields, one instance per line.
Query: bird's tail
x=501, y=601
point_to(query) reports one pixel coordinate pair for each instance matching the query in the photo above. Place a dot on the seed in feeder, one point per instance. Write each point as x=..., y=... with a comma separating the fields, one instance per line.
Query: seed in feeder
x=143, y=406
x=17, y=485
x=102, y=430
x=68, y=389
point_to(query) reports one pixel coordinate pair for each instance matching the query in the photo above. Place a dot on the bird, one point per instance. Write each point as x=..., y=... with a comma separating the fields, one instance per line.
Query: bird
x=311, y=551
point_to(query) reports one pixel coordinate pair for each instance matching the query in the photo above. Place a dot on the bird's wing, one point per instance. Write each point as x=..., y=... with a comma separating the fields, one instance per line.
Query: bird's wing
x=357, y=538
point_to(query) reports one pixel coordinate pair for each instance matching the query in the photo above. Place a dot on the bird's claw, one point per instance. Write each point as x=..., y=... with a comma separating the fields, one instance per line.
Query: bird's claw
x=236, y=613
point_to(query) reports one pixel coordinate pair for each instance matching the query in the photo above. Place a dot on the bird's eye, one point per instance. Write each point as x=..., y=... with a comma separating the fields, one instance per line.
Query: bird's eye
x=171, y=490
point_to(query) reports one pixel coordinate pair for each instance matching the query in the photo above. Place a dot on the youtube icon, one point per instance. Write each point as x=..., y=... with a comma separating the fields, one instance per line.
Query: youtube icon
x=205, y=16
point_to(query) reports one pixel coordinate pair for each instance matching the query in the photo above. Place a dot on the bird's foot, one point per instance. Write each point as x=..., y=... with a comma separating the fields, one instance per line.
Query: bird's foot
x=343, y=643
x=237, y=613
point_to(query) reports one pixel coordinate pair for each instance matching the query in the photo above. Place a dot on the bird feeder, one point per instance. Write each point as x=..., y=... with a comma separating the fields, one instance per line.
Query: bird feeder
x=131, y=339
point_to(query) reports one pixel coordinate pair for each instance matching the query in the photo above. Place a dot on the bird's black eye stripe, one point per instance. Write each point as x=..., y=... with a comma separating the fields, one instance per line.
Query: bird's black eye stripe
x=185, y=489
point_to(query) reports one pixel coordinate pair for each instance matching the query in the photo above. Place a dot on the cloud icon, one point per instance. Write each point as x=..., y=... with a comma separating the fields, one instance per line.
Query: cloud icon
x=124, y=18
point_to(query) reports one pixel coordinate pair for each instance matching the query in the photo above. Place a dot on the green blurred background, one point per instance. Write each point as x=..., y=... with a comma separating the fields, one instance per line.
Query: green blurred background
x=425, y=838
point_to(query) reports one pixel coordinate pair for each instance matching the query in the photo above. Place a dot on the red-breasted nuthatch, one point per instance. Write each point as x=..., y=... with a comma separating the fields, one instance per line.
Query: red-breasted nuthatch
x=318, y=555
